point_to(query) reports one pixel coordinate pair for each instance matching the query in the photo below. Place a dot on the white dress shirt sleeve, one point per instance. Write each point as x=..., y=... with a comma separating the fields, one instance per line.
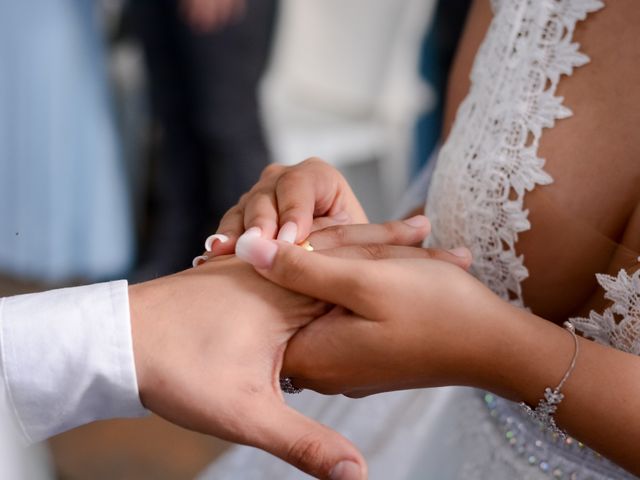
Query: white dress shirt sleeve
x=67, y=358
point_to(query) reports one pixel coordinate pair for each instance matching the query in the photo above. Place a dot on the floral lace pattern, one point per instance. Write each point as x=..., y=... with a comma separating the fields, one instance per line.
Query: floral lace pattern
x=490, y=160
x=619, y=324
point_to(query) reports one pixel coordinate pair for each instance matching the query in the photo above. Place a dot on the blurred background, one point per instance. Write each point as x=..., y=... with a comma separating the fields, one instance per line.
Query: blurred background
x=128, y=127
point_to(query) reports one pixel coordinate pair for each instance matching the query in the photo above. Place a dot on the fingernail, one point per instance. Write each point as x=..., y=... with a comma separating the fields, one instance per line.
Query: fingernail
x=200, y=259
x=252, y=232
x=208, y=243
x=256, y=250
x=346, y=470
x=288, y=232
x=461, y=252
x=418, y=221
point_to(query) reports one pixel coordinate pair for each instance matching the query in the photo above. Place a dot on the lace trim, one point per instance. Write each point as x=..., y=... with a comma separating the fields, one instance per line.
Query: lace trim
x=619, y=325
x=512, y=99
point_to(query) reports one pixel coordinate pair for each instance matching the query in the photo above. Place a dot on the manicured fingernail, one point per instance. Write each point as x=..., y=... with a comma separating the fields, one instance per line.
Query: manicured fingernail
x=256, y=250
x=252, y=232
x=288, y=232
x=208, y=243
x=461, y=252
x=346, y=470
x=418, y=221
x=199, y=260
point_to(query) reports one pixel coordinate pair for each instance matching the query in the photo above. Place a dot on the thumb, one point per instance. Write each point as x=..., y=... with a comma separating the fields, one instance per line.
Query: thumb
x=331, y=279
x=309, y=445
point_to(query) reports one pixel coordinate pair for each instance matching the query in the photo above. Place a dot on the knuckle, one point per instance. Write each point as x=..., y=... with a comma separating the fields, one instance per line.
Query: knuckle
x=393, y=232
x=339, y=234
x=319, y=165
x=232, y=215
x=272, y=170
x=325, y=169
x=288, y=209
x=375, y=251
x=260, y=193
x=244, y=198
x=308, y=452
x=313, y=161
x=291, y=178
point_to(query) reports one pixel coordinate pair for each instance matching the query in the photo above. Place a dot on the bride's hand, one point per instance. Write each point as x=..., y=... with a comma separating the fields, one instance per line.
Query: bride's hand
x=289, y=203
x=403, y=322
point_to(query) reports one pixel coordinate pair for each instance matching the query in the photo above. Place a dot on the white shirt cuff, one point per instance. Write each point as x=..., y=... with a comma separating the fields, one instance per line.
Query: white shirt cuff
x=68, y=358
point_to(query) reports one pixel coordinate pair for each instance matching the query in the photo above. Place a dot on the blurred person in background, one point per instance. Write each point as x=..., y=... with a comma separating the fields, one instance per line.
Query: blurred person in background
x=63, y=200
x=204, y=59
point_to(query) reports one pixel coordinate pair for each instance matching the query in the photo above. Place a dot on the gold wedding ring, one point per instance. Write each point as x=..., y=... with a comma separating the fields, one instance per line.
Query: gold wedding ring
x=307, y=246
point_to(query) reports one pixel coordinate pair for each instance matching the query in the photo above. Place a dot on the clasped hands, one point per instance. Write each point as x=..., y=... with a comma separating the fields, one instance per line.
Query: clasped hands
x=366, y=312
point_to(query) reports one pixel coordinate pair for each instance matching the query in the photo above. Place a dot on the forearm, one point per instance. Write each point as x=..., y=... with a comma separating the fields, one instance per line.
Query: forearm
x=602, y=395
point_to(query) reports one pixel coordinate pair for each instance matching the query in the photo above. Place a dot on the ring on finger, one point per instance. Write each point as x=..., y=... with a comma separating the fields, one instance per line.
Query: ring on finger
x=307, y=246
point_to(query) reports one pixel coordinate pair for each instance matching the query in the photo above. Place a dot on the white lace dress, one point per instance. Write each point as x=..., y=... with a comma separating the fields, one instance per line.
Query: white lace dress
x=459, y=433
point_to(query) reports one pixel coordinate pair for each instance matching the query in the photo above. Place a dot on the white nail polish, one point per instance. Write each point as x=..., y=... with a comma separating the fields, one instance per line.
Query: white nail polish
x=252, y=232
x=200, y=259
x=288, y=232
x=209, y=241
x=257, y=251
x=417, y=221
x=346, y=470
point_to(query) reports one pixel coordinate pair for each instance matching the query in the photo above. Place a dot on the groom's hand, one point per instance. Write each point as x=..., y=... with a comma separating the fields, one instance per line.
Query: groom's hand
x=209, y=345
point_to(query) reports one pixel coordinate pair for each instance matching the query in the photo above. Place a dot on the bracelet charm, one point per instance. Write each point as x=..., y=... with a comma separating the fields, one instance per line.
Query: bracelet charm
x=547, y=406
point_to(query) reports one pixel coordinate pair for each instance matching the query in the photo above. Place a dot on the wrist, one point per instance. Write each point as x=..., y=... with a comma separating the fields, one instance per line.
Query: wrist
x=532, y=354
x=139, y=302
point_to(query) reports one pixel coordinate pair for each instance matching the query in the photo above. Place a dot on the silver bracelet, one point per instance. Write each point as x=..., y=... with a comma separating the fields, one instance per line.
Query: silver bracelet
x=547, y=406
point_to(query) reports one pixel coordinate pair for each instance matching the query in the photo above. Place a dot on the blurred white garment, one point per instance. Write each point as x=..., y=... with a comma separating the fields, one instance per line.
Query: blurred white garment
x=394, y=431
x=16, y=461
x=63, y=199
x=344, y=84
